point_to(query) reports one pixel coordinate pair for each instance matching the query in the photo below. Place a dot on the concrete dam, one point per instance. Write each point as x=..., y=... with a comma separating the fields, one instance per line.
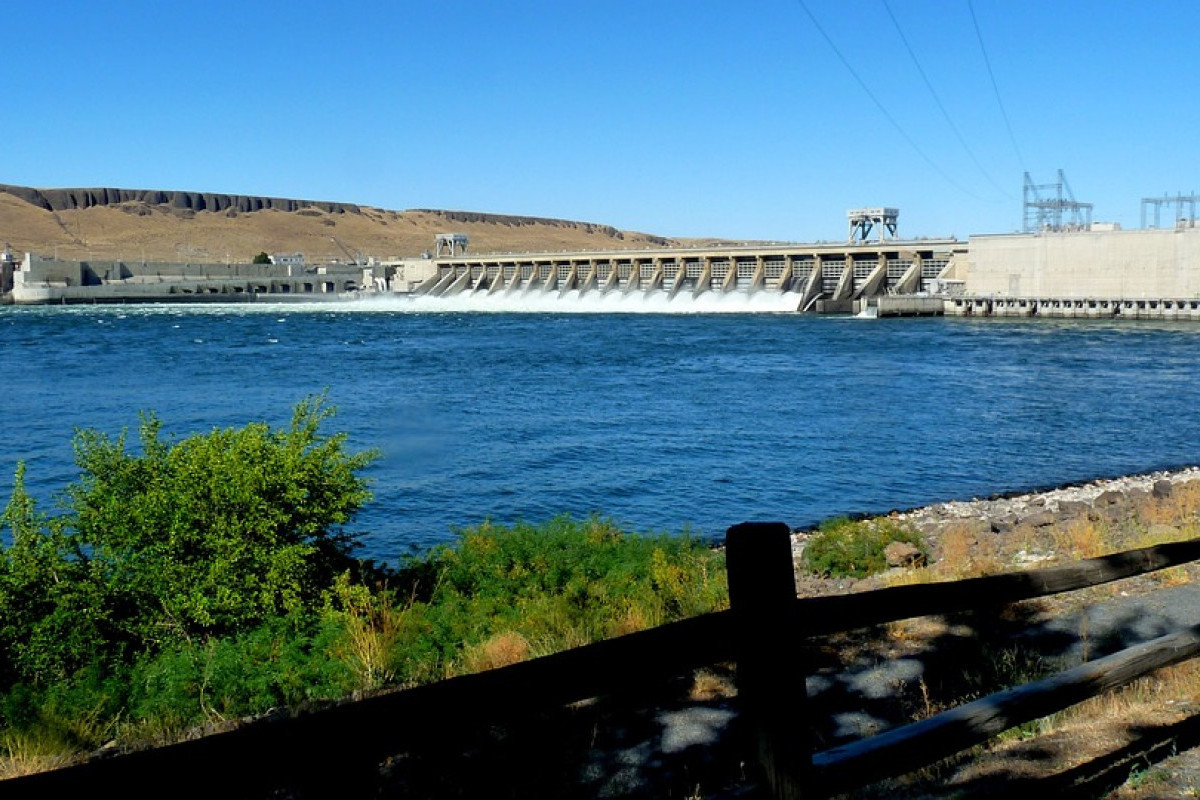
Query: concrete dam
x=821, y=278
x=1146, y=273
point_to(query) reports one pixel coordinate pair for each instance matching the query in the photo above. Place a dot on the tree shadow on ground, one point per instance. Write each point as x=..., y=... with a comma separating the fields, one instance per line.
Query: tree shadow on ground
x=982, y=652
x=662, y=743
x=1094, y=778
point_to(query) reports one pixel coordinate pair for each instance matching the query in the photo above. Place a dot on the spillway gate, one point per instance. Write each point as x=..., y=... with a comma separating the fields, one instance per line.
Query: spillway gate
x=833, y=273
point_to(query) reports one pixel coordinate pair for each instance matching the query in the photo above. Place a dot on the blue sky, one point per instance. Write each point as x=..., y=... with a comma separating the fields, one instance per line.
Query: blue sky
x=703, y=118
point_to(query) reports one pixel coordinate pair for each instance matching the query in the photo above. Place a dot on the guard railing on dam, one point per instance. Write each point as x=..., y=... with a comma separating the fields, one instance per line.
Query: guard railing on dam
x=338, y=751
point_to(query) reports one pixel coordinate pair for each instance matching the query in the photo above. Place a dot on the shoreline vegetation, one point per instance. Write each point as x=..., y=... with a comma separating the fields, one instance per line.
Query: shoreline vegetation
x=210, y=579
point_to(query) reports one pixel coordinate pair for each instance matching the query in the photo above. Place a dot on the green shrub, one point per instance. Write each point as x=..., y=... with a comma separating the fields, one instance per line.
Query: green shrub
x=843, y=548
x=560, y=584
x=284, y=662
x=210, y=578
x=210, y=535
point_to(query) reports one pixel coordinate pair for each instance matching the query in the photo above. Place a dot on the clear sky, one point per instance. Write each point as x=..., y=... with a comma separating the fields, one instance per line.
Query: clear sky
x=701, y=118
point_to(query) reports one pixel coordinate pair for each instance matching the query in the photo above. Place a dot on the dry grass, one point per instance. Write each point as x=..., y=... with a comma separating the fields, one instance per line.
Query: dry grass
x=1180, y=508
x=1097, y=727
x=501, y=650
x=633, y=620
x=964, y=552
x=373, y=624
x=1081, y=538
x=161, y=234
x=1102, y=724
x=709, y=685
x=956, y=558
x=26, y=753
x=371, y=638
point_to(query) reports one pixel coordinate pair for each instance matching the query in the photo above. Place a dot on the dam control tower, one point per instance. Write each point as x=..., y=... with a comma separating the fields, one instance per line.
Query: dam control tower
x=879, y=221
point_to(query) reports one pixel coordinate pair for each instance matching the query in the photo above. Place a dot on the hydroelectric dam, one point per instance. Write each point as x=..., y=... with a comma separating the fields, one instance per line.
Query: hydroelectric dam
x=822, y=278
x=1092, y=270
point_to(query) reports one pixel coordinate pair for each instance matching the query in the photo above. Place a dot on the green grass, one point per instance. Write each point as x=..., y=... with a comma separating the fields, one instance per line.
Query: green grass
x=495, y=595
x=845, y=548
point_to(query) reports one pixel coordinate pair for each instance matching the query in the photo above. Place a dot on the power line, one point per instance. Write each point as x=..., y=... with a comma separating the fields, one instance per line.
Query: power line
x=882, y=109
x=996, y=89
x=941, y=107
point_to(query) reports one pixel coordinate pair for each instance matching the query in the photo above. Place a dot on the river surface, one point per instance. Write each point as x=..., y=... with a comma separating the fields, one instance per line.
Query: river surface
x=663, y=422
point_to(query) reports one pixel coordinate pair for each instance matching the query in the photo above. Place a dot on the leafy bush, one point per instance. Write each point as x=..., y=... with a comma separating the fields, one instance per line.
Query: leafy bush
x=210, y=578
x=843, y=548
x=206, y=536
x=281, y=662
x=560, y=584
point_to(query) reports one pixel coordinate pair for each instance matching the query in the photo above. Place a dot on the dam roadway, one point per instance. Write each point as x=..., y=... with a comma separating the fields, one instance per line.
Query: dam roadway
x=823, y=277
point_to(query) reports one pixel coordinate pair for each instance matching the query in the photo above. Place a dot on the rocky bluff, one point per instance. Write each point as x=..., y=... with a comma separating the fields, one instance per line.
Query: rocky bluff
x=65, y=199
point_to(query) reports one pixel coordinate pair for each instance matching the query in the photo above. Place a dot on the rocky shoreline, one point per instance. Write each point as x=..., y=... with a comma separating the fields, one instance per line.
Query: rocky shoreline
x=1109, y=500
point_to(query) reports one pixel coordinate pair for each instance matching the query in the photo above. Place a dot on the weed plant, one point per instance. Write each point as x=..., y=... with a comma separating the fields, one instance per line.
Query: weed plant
x=530, y=590
x=845, y=548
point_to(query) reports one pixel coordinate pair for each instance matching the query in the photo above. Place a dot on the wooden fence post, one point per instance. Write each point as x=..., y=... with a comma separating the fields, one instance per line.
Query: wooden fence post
x=771, y=683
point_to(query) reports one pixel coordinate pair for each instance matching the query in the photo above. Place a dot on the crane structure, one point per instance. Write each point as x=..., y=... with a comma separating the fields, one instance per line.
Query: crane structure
x=356, y=259
x=878, y=220
x=453, y=243
x=1053, y=207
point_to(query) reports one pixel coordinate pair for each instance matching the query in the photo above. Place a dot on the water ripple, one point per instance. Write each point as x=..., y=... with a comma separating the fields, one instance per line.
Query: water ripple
x=660, y=421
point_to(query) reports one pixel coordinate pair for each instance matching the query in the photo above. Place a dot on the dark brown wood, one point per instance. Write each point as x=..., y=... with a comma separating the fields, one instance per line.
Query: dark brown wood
x=818, y=615
x=770, y=678
x=914, y=746
x=336, y=744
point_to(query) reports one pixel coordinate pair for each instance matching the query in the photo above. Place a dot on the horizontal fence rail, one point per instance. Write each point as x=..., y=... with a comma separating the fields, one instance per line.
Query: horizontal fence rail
x=922, y=743
x=846, y=612
x=800, y=773
x=323, y=750
x=312, y=748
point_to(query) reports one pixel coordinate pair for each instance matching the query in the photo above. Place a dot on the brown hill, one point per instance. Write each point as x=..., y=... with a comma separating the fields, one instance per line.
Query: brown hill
x=137, y=224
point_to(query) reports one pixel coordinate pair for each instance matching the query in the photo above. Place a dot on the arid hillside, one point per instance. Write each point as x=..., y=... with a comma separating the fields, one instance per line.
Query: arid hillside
x=127, y=224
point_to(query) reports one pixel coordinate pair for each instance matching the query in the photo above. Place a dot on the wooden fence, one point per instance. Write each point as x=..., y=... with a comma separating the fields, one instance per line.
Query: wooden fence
x=337, y=751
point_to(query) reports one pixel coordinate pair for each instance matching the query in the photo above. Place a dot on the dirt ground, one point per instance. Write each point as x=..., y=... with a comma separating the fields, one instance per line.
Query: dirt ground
x=1139, y=742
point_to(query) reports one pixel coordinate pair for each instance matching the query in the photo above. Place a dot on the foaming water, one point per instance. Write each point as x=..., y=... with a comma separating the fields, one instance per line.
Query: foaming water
x=518, y=302
x=662, y=420
x=594, y=302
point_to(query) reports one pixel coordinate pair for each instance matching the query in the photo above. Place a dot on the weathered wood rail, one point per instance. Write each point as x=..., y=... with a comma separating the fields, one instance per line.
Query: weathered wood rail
x=337, y=751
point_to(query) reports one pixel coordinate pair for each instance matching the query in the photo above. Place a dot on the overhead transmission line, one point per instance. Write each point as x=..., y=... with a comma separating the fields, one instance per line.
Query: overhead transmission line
x=882, y=109
x=937, y=99
x=995, y=88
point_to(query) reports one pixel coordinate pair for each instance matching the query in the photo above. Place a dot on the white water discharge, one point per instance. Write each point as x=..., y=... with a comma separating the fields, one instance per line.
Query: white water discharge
x=534, y=302
x=615, y=302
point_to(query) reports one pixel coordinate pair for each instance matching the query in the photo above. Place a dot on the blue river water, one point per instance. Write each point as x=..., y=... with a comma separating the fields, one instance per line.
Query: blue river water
x=663, y=422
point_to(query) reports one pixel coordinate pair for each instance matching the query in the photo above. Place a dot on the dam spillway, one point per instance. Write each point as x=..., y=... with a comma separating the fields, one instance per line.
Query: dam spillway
x=822, y=277
x=1142, y=274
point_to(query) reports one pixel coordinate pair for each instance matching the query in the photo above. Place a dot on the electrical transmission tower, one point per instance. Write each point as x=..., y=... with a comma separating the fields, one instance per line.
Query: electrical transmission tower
x=1058, y=211
x=1180, y=201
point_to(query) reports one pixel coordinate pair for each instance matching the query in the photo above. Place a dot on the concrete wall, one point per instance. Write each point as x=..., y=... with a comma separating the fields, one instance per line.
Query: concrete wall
x=407, y=274
x=1112, y=264
x=42, y=280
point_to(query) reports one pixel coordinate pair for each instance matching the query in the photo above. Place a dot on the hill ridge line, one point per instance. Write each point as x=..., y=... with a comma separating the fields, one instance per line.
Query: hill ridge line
x=73, y=198
x=64, y=199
